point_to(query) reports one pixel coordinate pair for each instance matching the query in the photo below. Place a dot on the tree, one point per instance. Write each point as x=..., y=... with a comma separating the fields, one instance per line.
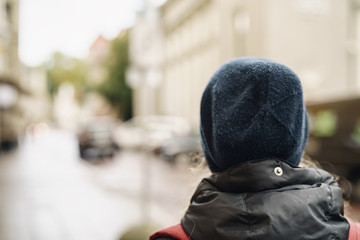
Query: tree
x=61, y=68
x=114, y=88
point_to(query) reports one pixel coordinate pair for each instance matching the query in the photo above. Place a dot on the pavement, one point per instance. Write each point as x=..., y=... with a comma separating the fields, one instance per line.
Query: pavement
x=48, y=192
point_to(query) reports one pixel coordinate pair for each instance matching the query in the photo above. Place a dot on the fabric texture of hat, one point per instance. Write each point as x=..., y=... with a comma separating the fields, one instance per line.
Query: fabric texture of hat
x=252, y=109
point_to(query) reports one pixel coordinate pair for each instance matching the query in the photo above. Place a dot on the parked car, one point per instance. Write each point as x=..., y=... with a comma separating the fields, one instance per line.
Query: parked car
x=181, y=150
x=150, y=131
x=96, y=141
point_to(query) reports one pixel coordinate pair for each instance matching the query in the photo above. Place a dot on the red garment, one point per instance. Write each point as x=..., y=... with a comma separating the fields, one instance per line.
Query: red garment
x=176, y=232
x=354, y=232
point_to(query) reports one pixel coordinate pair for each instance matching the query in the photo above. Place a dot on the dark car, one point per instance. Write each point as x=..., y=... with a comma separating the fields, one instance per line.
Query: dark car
x=96, y=141
x=182, y=151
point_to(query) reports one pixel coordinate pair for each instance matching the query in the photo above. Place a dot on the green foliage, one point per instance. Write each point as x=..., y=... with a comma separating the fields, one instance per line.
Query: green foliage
x=61, y=68
x=325, y=124
x=114, y=88
x=356, y=133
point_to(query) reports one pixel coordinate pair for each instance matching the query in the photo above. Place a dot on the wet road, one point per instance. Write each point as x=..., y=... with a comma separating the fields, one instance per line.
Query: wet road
x=47, y=192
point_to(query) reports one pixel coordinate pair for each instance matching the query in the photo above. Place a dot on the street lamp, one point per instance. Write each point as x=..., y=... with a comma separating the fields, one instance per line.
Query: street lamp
x=145, y=75
x=145, y=80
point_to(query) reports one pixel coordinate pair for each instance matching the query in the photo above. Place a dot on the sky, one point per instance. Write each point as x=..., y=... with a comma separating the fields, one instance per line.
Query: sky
x=70, y=26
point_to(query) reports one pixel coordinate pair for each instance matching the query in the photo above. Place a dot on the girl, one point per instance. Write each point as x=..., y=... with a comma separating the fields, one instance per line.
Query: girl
x=254, y=128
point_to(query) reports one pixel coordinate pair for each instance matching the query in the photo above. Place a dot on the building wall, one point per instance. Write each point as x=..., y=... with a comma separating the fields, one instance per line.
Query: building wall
x=11, y=116
x=36, y=106
x=98, y=52
x=9, y=15
x=193, y=52
x=145, y=71
x=310, y=37
x=318, y=39
x=353, y=43
x=2, y=35
x=200, y=36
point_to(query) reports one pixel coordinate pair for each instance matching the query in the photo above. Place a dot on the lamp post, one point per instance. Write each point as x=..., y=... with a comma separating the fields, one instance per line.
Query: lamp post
x=145, y=75
x=145, y=80
x=8, y=97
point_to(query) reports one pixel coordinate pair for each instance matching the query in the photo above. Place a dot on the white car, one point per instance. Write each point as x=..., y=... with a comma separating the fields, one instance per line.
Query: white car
x=150, y=131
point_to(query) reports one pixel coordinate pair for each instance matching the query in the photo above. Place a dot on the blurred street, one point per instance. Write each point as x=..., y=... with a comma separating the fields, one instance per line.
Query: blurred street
x=100, y=116
x=48, y=192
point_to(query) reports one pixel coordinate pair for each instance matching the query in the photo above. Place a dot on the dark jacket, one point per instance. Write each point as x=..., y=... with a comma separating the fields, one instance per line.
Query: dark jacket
x=266, y=199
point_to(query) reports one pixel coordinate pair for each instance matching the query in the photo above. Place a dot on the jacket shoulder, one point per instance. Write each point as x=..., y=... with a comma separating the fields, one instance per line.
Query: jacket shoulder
x=175, y=232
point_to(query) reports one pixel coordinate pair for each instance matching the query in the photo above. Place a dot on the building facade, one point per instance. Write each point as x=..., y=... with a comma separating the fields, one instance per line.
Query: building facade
x=9, y=28
x=10, y=86
x=146, y=57
x=318, y=39
x=98, y=52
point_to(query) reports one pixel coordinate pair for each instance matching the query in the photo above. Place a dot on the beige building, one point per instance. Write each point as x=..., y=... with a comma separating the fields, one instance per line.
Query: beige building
x=36, y=105
x=146, y=56
x=10, y=87
x=9, y=27
x=95, y=104
x=98, y=52
x=318, y=39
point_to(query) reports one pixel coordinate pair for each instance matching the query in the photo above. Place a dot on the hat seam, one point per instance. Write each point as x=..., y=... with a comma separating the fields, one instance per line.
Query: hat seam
x=262, y=110
x=283, y=99
x=283, y=124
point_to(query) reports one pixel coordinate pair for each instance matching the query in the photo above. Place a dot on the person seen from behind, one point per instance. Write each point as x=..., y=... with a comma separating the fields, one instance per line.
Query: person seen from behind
x=254, y=128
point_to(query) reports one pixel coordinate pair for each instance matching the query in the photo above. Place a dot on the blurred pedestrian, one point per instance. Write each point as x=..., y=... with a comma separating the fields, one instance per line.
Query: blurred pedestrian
x=254, y=128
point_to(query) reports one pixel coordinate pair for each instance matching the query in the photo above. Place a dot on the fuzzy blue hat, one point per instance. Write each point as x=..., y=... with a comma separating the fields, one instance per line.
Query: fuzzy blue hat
x=253, y=108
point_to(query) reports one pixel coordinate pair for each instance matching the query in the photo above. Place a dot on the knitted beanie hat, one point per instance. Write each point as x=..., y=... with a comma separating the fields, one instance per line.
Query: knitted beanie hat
x=253, y=108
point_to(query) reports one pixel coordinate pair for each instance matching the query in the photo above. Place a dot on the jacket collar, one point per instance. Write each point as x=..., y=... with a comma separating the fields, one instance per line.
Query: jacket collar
x=261, y=175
